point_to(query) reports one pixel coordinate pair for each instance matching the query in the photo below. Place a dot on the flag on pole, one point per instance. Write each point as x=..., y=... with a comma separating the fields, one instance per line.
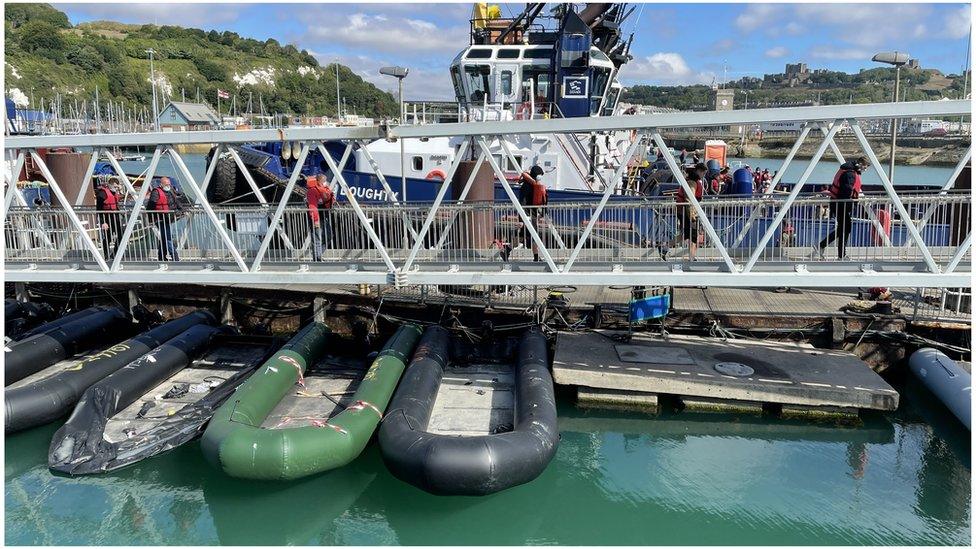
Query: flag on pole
x=221, y=94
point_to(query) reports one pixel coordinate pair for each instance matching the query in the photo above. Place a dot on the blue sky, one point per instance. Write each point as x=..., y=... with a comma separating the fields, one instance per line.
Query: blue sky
x=676, y=43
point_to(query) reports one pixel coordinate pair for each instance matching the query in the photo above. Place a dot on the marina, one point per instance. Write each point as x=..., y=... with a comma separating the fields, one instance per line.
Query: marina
x=533, y=314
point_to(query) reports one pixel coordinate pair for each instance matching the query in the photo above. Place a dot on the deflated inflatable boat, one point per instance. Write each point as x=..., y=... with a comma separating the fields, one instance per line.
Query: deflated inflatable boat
x=157, y=402
x=443, y=463
x=241, y=443
x=52, y=393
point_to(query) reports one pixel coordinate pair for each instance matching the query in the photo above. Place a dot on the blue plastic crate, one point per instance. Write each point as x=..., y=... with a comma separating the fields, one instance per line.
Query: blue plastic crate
x=649, y=308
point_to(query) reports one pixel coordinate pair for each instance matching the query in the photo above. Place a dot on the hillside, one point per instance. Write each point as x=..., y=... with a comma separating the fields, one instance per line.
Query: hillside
x=44, y=53
x=829, y=87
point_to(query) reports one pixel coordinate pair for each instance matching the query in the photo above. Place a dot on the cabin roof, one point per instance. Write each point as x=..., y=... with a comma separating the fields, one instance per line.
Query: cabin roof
x=195, y=112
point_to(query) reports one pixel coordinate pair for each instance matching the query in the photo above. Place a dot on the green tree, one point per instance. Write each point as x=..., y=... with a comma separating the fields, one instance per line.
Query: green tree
x=20, y=14
x=85, y=57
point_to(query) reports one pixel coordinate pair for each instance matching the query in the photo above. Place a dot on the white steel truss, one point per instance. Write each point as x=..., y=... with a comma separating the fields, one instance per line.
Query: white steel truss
x=606, y=241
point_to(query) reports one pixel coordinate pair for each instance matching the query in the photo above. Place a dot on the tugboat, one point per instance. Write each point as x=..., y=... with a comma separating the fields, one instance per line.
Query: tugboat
x=534, y=66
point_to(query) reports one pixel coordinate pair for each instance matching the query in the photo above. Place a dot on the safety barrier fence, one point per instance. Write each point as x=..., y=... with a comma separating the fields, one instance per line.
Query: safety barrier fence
x=895, y=239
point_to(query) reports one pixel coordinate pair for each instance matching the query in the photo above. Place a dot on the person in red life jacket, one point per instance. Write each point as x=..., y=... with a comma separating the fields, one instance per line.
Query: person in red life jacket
x=107, y=200
x=533, y=194
x=843, y=191
x=320, y=200
x=687, y=216
x=162, y=201
x=719, y=181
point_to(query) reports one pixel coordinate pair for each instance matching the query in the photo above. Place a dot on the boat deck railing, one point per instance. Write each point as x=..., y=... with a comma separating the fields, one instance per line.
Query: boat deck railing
x=896, y=239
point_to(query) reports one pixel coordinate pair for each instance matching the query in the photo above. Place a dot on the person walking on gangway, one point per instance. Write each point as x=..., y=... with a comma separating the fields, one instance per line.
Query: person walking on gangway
x=109, y=220
x=845, y=189
x=320, y=200
x=687, y=216
x=533, y=193
x=162, y=202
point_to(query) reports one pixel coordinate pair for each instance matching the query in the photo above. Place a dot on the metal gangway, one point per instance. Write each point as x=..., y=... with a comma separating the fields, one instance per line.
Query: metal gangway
x=899, y=239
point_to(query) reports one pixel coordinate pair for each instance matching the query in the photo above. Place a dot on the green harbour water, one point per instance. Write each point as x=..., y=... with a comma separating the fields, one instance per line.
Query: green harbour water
x=617, y=478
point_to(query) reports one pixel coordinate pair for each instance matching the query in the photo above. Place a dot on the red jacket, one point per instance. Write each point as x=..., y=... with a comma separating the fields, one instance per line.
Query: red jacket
x=106, y=199
x=699, y=191
x=159, y=200
x=319, y=196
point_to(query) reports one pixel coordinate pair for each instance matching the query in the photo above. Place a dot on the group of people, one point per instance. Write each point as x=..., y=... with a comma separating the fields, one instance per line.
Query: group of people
x=161, y=201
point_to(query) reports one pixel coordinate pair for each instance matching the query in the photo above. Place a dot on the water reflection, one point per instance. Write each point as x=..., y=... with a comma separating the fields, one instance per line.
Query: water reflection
x=616, y=479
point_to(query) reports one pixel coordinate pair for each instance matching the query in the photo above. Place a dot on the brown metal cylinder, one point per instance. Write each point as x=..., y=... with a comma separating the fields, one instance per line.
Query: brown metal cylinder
x=68, y=169
x=474, y=229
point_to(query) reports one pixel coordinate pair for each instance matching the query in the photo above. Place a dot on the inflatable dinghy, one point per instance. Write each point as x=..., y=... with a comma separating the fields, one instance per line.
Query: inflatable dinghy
x=19, y=316
x=463, y=449
x=287, y=420
x=157, y=402
x=43, y=349
x=52, y=393
x=948, y=381
x=57, y=323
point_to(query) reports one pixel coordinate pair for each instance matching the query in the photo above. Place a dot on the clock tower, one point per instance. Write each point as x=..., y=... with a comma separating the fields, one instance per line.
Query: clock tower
x=723, y=99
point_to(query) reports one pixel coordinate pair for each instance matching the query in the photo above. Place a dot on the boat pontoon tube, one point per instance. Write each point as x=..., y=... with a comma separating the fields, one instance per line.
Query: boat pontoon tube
x=79, y=446
x=57, y=323
x=33, y=354
x=235, y=442
x=947, y=380
x=475, y=465
x=53, y=397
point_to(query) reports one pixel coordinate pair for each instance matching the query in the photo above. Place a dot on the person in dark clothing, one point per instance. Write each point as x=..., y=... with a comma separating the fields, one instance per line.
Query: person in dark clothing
x=107, y=200
x=844, y=190
x=532, y=193
x=681, y=158
x=162, y=201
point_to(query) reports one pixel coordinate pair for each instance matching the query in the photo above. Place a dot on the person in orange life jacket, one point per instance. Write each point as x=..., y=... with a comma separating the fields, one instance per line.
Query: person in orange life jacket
x=533, y=193
x=163, y=202
x=107, y=200
x=686, y=213
x=843, y=191
x=320, y=199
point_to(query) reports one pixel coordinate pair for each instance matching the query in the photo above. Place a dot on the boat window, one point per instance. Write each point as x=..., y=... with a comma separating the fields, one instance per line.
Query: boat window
x=479, y=53
x=476, y=81
x=601, y=77
x=539, y=79
x=538, y=53
x=418, y=163
x=517, y=167
x=508, y=54
x=458, y=89
x=506, y=83
x=611, y=103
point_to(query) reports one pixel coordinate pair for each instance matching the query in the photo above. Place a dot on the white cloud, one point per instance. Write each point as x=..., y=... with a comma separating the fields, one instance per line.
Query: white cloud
x=793, y=28
x=777, y=52
x=757, y=16
x=377, y=33
x=866, y=25
x=839, y=53
x=957, y=22
x=432, y=83
x=186, y=15
x=663, y=68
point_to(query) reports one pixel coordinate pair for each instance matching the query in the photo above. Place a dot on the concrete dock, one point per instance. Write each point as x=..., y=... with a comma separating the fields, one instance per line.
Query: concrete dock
x=709, y=373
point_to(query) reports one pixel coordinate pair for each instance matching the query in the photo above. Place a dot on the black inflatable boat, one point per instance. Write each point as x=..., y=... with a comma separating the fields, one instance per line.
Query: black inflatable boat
x=443, y=456
x=52, y=393
x=46, y=347
x=157, y=402
x=19, y=316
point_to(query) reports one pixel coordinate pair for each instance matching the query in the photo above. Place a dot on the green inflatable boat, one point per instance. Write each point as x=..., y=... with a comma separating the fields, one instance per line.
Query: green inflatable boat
x=250, y=437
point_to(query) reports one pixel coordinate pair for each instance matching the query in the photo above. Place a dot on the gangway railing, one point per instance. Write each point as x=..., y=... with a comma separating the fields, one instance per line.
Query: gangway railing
x=765, y=240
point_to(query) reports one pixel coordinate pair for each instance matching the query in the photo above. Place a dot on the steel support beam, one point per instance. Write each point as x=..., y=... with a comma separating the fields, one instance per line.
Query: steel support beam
x=960, y=254
x=203, y=202
x=893, y=194
x=690, y=193
x=543, y=251
x=607, y=192
x=785, y=208
x=296, y=172
x=137, y=208
x=351, y=196
x=69, y=211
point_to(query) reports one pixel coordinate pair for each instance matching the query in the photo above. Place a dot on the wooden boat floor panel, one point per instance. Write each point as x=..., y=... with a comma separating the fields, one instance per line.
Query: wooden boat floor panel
x=335, y=376
x=222, y=361
x=474, y=400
